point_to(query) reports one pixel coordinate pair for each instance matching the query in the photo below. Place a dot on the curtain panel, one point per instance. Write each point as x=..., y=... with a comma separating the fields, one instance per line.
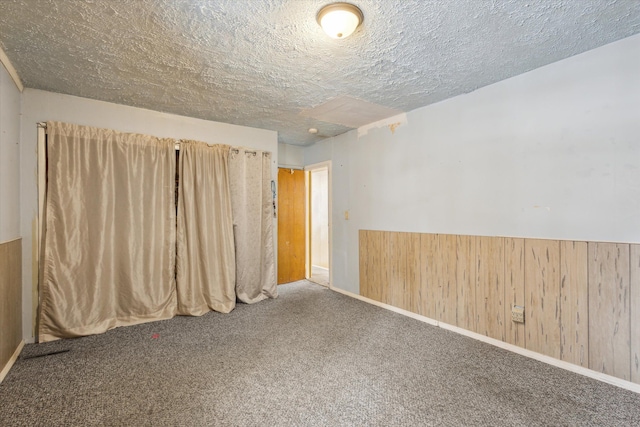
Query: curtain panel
x=116, y=253
x=251, y=199
x=205, y=250
x=109, y=239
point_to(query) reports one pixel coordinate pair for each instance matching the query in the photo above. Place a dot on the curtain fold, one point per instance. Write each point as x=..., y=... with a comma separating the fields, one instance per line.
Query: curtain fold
x=109, y=245
x=205, y=251
x=251, y=199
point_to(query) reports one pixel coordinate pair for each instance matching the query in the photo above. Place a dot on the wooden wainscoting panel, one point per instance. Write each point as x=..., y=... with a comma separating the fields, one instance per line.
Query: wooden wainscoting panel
x=385, y=266
x=466, y=282
x=10, y=299
x=634, y=278
x=574, y=303
x=398, y=269
x=370, y=249
x=364, y=260
x=581, y=299
x=514, y=292
x=428, y=274
x=371, y=261
x=490, y=286
x=413, y=272
x=375, y=272
x=542, y=283
x=609, y=317
x=446, y=276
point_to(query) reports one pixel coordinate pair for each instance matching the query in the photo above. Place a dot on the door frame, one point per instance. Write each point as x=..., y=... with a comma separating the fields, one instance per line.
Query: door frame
x=307, y=179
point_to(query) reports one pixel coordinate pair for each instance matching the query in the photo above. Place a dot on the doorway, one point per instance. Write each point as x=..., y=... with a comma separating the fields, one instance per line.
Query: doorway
x=318, y=223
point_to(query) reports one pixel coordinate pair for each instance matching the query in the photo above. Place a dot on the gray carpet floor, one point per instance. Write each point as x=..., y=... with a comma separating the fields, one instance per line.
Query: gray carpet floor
x=311, y=357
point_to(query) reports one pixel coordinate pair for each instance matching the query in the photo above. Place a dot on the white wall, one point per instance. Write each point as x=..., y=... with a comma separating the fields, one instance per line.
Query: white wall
x=290, y=156
x=553, y=153
x=9, y=158
x=40, y=106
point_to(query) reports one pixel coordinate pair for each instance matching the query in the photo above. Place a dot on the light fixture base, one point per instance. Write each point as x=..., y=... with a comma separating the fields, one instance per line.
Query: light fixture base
x=340, y=20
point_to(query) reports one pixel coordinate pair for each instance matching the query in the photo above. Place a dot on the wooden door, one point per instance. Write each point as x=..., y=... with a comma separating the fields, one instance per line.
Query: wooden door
x=291, y=240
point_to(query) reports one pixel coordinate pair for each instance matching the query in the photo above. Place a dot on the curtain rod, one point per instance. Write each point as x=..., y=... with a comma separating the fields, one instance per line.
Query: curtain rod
x=264, y=153
x=43, y=125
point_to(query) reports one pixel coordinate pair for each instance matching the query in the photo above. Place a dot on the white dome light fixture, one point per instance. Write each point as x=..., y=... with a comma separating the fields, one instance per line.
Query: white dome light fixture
x=340, y=20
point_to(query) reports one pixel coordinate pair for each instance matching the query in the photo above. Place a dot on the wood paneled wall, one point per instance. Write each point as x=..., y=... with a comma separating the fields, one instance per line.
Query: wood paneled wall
x=10, y=299
x=581, y=299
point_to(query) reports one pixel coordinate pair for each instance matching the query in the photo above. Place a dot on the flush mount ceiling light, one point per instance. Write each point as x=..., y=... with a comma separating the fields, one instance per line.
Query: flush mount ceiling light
x=340, y=20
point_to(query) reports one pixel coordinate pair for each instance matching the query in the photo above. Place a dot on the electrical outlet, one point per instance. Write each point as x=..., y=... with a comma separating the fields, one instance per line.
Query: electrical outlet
x=517, y=313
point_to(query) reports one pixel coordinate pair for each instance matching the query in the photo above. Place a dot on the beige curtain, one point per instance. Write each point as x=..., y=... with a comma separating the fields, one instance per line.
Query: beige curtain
x=206, y=259
x=109, y=254
x=251, y=199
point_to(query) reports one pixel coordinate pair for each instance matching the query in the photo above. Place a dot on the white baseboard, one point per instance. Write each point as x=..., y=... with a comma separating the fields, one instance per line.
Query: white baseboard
x=628, y=385
x=11, y=361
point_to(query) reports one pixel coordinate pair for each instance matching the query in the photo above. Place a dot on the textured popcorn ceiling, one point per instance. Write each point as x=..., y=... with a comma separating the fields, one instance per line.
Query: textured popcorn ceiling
x=261, y=63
